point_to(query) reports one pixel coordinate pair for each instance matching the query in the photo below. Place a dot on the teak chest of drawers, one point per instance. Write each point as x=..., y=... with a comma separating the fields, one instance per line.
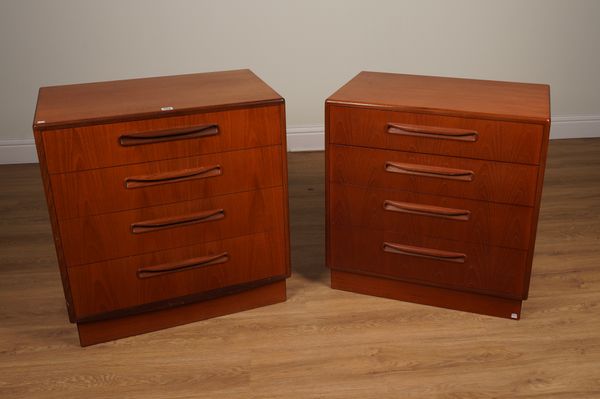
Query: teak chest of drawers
x=167, y=198
x=433, y=189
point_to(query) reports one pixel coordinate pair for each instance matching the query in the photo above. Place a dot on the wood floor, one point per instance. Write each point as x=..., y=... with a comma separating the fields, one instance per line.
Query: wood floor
x=321, y=343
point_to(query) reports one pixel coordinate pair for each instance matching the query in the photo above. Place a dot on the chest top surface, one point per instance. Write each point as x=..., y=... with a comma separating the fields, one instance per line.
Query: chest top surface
x=451, y=96
x=103, y=102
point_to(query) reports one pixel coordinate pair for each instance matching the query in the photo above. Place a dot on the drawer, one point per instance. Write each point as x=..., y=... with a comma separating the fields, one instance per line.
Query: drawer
x=435, y=134
x=432, y=174
x=125, y=143
x=412, y=214
x=119, y=188
x=450, y=264
x=119, y=234
x=158, y=276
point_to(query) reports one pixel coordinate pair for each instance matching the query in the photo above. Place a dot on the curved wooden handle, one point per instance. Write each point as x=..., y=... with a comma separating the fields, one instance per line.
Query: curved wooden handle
x=429, y=171
x=432, y=132
x=426, y=210
x=428, y=253
x=152, y=271
x=167, y=223
x=172, y=177
x=160, y=136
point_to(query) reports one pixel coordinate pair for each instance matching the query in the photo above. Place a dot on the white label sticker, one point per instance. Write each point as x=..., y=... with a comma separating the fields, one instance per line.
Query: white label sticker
x=167, y=108
x=514, y=316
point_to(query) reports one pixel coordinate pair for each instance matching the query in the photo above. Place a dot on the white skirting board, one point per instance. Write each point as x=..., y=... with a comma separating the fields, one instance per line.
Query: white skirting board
x=312, y=137
x=575, y=126
x=306, y=138
x=17, y=151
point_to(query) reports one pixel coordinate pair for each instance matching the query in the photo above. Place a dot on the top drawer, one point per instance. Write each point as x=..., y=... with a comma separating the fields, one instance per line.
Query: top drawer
x=113, y=144
x=436, y=134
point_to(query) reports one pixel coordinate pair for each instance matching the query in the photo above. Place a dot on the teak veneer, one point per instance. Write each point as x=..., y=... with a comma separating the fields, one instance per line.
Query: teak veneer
x=167, y=198
x=433, y=189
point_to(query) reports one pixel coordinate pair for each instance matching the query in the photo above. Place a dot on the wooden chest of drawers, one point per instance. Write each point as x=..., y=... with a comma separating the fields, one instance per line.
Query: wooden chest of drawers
x=167, y=197
x=433, y=189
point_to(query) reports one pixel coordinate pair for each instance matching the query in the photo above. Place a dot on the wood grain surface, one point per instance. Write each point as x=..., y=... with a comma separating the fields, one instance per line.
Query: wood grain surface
x=111, y=285
x=426, y=294
x=85, y=103
x=94, y=332
x=494, y=140
x=104, y=190
x=97, y=146
x=404, y=212
x=489, y=181
x=450, y=96
x=443, y=263
x=111, y=235
x=321, y=343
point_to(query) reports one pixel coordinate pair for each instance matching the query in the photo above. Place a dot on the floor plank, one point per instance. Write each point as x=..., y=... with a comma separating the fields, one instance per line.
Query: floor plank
x=320, y=343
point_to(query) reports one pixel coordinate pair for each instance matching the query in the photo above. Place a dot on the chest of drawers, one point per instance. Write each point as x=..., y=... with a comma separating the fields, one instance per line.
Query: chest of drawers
x=167, y=198
x=433, y=189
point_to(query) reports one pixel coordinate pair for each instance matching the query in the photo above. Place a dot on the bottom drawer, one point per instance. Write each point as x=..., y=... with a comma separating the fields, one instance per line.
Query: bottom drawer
x=451, y=264
x=138, y=280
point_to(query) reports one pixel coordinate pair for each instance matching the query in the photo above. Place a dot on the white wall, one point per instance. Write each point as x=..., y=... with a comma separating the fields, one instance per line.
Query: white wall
x=304, y=49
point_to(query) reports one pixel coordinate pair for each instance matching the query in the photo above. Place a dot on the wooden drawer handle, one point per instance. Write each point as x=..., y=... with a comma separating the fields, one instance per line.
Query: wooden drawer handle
x=167, y=223
x=433, y=132
x=160, y=136
x=426, y=210
x=428, y=253
x=429, y=171
x=172, y=177
x=194, y=263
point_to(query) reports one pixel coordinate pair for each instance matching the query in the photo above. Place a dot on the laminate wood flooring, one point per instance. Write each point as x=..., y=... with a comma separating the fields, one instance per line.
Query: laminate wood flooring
x=321, y=343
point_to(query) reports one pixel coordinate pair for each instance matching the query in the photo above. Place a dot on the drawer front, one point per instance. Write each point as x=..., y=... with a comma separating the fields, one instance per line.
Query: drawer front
x=450, y=264
x=432, y=174
x=133, y=142
x=158, y=276
x=106, y=190
x=435, y=134
x=412, y=214
x=119, y=234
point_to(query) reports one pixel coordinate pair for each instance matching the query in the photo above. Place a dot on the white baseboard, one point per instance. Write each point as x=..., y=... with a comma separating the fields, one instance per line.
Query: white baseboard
x=306, y=138
x=312, y=137
x=17, y=151
x=575, y=126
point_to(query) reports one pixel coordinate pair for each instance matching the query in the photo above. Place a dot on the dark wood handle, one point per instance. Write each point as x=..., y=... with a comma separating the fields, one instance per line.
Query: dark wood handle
x=172, y=177
x=160, y=136
x=429, y=171
x=426, y=210
x=428, y=253
x=152, y=271
x=445, y=133
x=167, y=223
